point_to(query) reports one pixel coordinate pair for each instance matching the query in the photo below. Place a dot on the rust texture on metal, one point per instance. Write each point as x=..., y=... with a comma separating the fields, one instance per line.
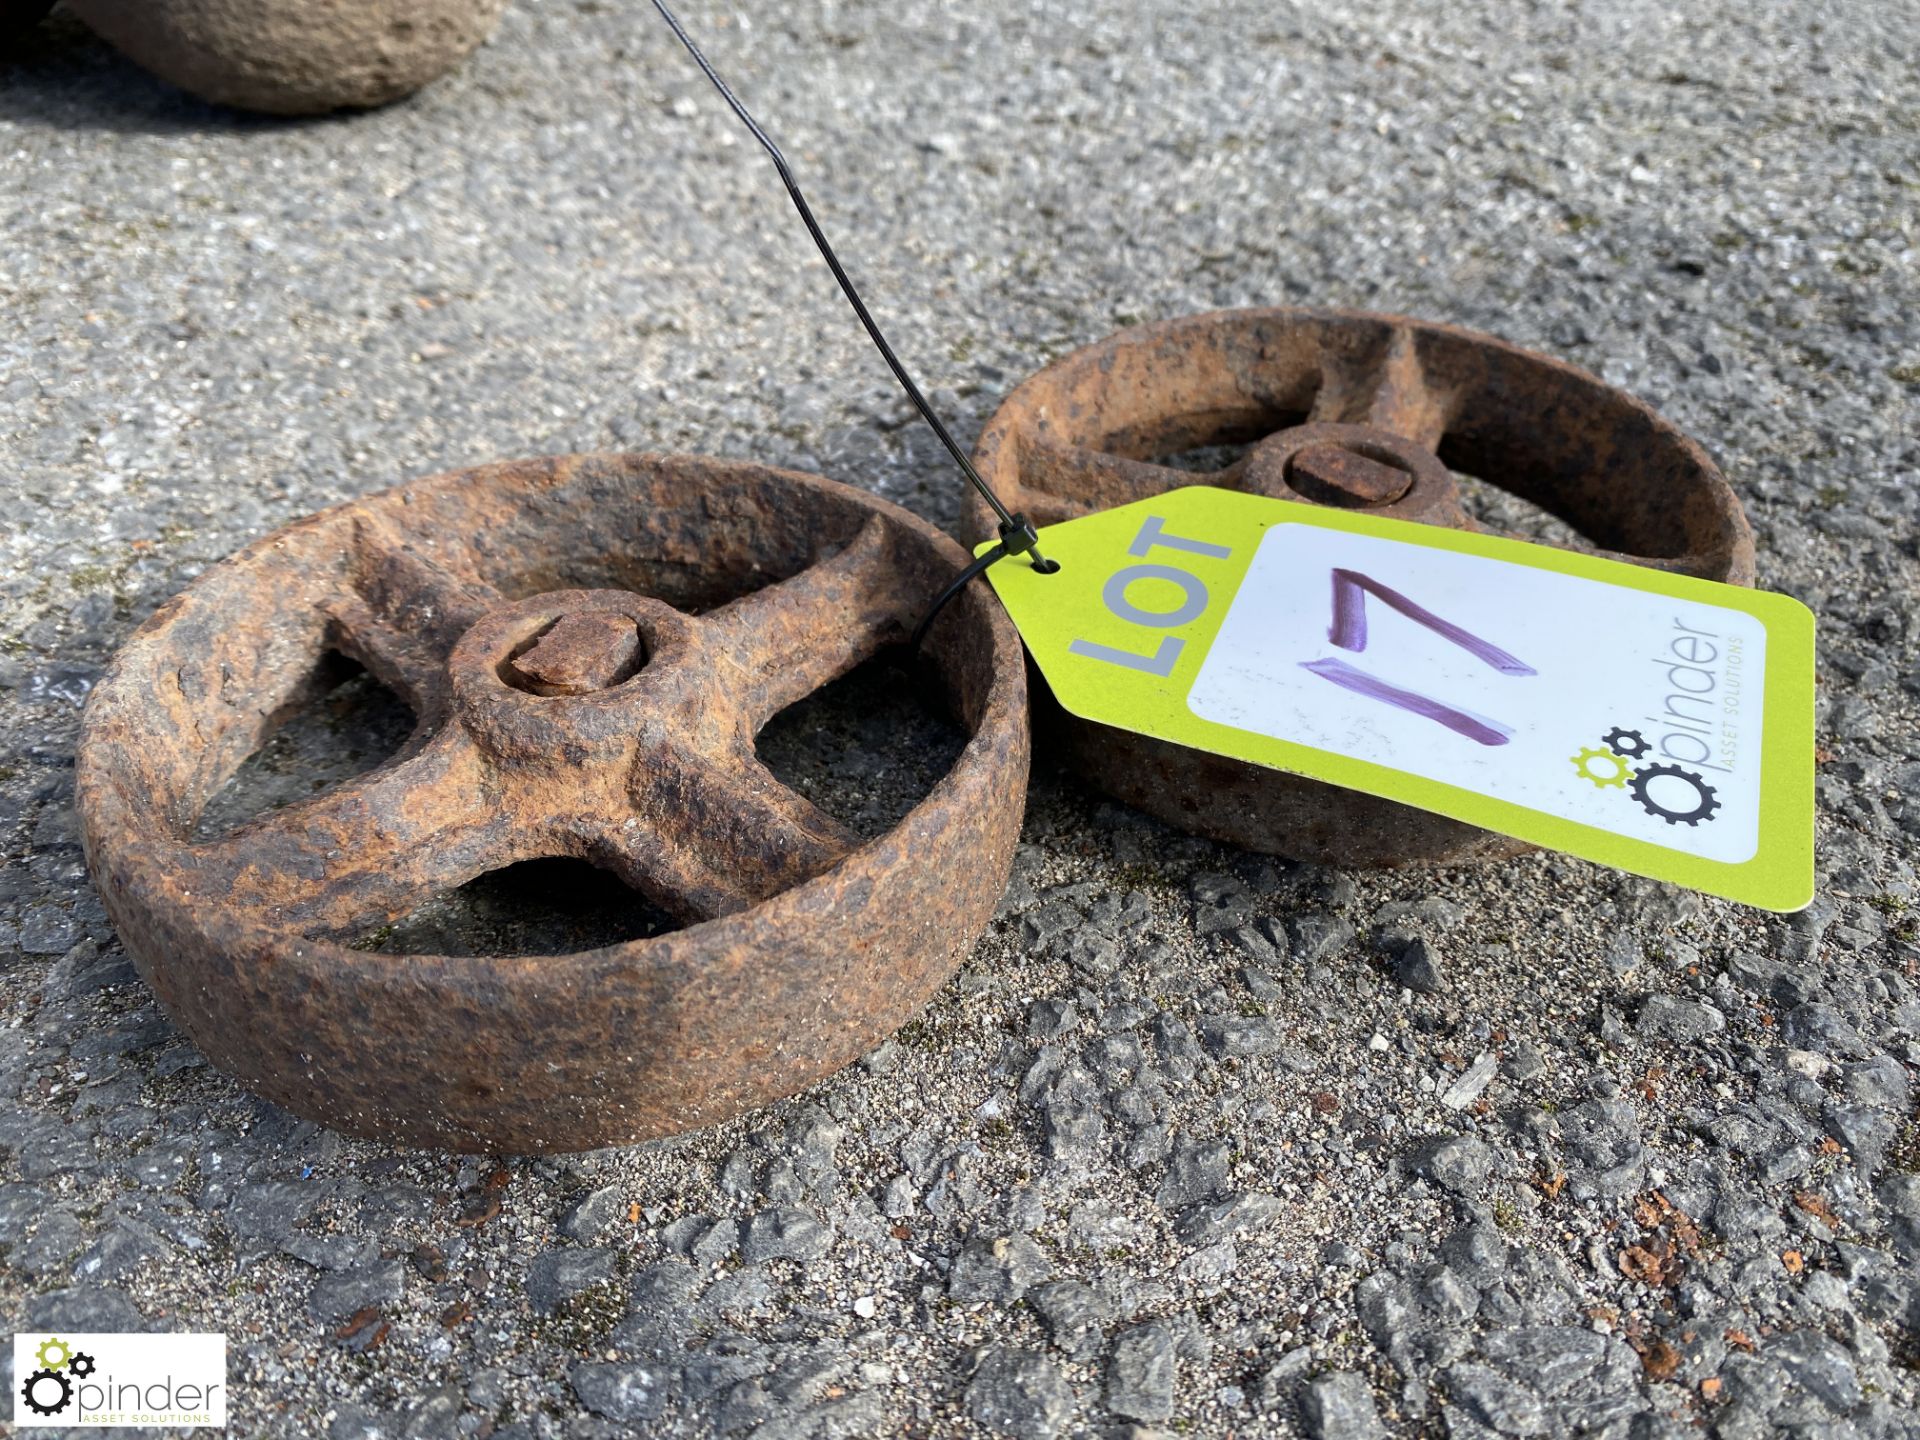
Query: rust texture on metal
x=589, y=645
x=583, y=651
x=1364, y=411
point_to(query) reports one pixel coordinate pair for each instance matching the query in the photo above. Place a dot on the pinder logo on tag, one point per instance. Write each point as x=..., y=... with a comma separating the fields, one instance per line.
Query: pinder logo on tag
x=1668, y=792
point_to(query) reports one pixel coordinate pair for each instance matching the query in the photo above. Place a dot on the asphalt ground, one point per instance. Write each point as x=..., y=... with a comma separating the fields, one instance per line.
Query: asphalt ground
x=1142, y=1163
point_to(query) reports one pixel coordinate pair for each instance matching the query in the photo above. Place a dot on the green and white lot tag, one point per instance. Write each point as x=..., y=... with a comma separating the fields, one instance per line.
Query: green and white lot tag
x=1649, y=721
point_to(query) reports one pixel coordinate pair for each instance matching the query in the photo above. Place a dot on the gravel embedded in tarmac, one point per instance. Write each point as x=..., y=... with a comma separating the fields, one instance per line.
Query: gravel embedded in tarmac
x=1198, y=1142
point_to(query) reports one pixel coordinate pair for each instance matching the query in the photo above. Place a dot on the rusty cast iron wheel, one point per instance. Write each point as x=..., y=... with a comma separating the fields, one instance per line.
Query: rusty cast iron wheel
x=1370, y=412
x=589, y=645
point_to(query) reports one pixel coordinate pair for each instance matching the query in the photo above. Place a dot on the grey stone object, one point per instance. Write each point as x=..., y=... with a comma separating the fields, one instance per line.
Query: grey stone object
x=1340, y=1407
x=293, y=57
x=1019, y=1392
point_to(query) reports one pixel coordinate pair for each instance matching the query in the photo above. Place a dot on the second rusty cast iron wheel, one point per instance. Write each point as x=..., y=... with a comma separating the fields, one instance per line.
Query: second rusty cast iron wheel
x=1364, y=411
x=589, y=645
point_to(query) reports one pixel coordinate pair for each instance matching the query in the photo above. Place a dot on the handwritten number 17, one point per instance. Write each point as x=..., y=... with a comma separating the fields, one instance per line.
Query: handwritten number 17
x=1349, y=632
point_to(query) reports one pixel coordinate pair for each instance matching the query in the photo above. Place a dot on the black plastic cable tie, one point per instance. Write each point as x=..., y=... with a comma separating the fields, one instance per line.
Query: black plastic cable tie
x=1017, y=537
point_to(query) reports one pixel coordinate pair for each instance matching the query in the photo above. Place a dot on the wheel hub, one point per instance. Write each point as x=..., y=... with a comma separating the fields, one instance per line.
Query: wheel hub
x=1353, y=467
x=582, y=651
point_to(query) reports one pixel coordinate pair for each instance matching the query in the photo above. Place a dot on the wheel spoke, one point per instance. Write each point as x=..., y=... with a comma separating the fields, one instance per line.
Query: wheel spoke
x=364, y=854
x=792, y=637
x=1090, y=480
x=434, y=593
x=401, y=662
x=407, y=606
x=1388, y=389
x=1044, y=509
x=705, y=841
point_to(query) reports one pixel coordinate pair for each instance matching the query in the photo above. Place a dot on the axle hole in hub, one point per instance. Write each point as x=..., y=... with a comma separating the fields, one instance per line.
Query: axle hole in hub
x=577, y=655
x=341, y=723
x=538, y=907
x=1352, y=476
